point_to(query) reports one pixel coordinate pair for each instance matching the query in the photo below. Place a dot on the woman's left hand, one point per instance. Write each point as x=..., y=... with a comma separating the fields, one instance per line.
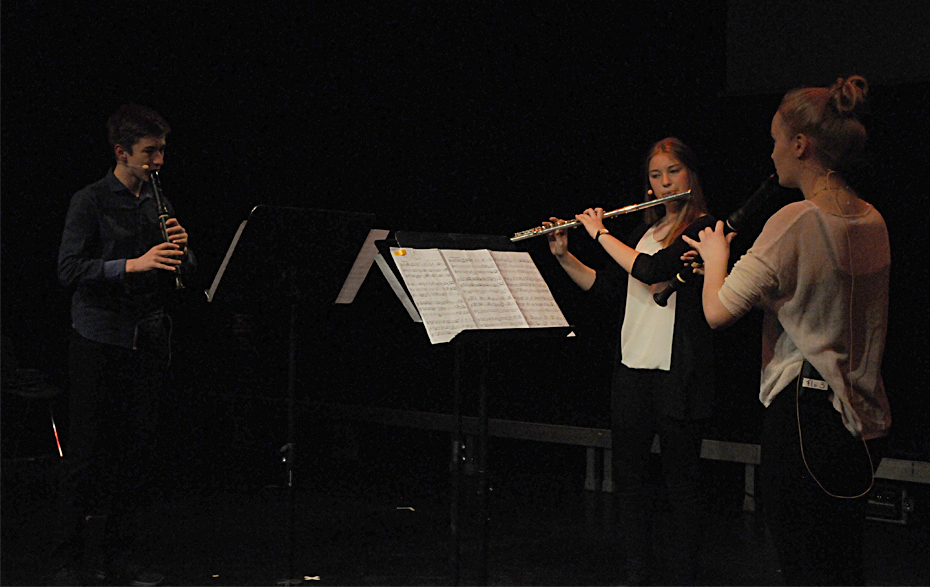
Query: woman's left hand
x=592, y=219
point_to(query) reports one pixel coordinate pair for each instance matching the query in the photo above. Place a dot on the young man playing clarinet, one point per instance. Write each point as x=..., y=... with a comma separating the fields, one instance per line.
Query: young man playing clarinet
x=114, y=255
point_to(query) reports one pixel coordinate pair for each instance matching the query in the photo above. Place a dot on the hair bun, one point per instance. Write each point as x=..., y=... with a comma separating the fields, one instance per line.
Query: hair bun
x=849, y=96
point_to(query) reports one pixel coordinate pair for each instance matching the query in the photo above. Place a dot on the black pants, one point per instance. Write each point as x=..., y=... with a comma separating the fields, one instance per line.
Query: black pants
x=109, y=448
x=818, y=536
x=634, y=425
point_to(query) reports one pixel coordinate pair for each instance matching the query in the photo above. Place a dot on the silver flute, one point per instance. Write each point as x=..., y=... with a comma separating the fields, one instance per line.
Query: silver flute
x=540, y=230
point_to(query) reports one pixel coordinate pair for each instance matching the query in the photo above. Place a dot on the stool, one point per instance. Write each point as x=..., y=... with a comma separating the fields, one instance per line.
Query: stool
x=31, y=386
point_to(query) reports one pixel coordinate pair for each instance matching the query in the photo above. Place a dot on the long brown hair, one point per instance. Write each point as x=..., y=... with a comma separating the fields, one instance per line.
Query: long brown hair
x=693, y=207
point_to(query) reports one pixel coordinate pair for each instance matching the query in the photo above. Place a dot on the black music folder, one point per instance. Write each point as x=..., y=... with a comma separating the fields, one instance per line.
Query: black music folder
x=292, y=252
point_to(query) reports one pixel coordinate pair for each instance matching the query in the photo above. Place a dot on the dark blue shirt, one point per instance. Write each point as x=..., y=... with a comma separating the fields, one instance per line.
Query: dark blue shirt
x=106, y=225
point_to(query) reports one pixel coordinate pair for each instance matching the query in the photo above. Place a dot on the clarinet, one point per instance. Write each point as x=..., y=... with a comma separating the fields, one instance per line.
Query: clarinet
x=163, y=217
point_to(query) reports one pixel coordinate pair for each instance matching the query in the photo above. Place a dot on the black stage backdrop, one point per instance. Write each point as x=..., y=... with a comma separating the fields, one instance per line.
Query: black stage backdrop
x=481, y=118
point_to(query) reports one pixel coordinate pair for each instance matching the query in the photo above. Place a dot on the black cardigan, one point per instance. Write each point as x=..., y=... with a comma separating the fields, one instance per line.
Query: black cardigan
x=689, y=391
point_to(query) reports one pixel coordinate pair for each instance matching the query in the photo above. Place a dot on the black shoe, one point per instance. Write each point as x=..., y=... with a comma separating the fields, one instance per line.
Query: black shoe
x=139, y=576
x=636, y=573
x=147, y=579
x=65, y=576
x=129, y=574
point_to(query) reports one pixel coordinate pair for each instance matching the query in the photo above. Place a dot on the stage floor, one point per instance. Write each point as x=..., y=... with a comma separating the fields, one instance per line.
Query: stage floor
x=387, y=523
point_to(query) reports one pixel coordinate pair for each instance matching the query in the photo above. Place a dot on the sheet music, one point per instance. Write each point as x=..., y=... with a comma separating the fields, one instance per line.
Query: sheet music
x=487, y=295
x=219, y=274
x=529, y=289
x=397, y=288
x=360, y=267
x=456, y=290
x=434, y=292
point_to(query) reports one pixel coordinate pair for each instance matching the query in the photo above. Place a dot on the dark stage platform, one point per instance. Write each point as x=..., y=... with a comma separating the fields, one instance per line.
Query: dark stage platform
x=374, y=520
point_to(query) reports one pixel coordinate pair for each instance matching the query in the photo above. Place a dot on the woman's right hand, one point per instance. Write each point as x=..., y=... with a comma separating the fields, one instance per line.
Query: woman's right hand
x=712, y=245
x=558, y=240
x=693, y=260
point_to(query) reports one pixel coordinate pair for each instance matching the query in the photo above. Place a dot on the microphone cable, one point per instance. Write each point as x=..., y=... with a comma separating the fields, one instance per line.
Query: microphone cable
x=852, y=289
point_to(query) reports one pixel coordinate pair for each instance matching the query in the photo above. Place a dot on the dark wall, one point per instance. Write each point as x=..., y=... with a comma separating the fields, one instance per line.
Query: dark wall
x=435, y=117
x=883, y=41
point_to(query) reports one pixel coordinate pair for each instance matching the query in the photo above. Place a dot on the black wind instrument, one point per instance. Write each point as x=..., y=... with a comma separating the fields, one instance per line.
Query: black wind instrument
x=768, y=195
x=163, y=217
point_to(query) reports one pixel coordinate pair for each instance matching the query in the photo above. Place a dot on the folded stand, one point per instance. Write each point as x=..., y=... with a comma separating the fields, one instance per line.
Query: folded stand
x=294, y=259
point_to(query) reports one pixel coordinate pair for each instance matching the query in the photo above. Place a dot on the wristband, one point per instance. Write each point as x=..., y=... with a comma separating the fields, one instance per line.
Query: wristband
x=599, y=233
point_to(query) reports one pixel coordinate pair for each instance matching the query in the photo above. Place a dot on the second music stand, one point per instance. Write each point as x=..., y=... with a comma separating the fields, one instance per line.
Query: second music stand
x=291, y=257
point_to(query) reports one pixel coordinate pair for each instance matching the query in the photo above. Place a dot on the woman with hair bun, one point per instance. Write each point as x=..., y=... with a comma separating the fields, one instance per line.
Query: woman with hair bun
x=819, y=270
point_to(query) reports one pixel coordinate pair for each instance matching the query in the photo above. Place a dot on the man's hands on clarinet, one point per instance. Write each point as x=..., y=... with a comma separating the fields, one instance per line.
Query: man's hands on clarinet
x=165, y=255
x=176, y=233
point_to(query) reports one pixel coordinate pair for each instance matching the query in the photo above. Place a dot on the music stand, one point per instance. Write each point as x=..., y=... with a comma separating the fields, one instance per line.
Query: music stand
x=481, y=338
x=283, y=256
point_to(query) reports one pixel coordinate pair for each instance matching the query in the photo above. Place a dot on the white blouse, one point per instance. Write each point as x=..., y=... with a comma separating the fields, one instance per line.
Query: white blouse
x=646, y=335
x=822, y=281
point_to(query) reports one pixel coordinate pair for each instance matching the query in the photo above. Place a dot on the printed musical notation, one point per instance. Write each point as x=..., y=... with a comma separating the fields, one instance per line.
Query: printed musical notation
x=455, y=290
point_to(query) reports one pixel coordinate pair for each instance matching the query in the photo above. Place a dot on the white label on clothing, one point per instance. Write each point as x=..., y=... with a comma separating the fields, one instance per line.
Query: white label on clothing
x=814, y=384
